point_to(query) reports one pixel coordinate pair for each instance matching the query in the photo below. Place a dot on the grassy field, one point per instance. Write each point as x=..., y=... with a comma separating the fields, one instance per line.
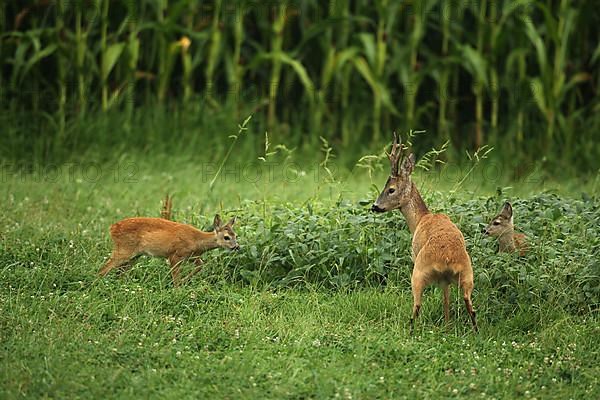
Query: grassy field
x=317, y=303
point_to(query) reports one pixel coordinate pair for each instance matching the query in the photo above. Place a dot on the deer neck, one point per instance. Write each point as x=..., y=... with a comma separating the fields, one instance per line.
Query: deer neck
x=506, y=240
x=206, y=241
x=414, y=209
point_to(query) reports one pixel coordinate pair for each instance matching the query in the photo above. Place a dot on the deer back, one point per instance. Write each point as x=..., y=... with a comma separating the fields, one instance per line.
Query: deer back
x=156, y=236
x=440, y=242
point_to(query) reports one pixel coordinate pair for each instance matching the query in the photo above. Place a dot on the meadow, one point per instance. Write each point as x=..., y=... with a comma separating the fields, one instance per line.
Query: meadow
x=107, y=105
x=317, y=303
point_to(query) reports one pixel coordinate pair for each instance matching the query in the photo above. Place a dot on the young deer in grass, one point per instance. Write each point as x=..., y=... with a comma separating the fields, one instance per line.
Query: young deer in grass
x=502, y=227
x=171, y=240
x=438, y=247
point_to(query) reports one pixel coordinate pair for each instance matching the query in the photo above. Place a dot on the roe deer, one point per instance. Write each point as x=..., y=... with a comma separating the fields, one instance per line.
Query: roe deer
x=438, y=247
x=502, y=227
x=171, y=240
x=166, y=211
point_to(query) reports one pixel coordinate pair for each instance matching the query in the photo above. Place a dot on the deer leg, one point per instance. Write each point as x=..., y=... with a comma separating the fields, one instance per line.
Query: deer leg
x=467, y=287
x=117, y=259
x=418, y=285
x=175, y=261
x=127, y=265
x=446, y=298
x=198, y=263
x=123, y=268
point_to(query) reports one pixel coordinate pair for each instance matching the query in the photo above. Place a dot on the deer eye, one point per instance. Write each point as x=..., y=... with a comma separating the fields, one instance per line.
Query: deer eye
x=496, y=223
x=391, y=190
x=226, y=237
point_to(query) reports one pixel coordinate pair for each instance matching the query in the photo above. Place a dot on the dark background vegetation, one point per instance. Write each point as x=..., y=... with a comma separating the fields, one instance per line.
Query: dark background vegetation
x=81, y=76
x=106, y=105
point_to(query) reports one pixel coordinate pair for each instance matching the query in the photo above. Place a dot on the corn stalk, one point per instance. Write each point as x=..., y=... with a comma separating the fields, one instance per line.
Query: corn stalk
x=61, y=68
x=133, y=51
x=477, y=61
x=214, y=50
x=551, y=87
x=80, y=40
x=236, y=74
x=444, y=73
x=411, y=72
x=276, y=48
x=104, y=52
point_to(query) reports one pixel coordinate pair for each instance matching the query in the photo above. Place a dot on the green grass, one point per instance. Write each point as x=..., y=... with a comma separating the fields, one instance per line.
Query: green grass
x=317, y=303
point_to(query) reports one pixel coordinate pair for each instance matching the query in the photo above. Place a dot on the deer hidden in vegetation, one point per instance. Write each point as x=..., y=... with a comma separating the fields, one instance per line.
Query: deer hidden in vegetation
x=502, y=227
x=159, y=237
x=438, y=246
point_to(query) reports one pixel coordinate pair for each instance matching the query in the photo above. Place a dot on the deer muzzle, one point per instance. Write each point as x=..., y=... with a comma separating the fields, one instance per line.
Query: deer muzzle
x=376, y=208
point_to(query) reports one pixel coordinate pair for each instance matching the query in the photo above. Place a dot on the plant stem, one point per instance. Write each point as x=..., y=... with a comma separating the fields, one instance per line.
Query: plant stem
x=80, y=38
x=478, y=86
x=163, y=53
x=103, y=51
x=61, y=69
x=213, y=52
x=276, y=47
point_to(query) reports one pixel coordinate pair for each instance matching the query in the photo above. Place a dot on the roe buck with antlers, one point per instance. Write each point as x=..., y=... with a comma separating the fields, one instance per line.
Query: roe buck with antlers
x=171, y=240
x=438, y=247
x=502, y=227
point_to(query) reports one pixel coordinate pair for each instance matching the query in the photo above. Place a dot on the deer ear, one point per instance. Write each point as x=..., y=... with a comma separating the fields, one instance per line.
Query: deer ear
x=231, y=222
x=217, y=222
x=408, y=164
x=507, y=210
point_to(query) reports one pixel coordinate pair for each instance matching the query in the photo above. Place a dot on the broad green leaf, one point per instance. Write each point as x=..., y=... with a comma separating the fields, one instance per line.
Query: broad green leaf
x=563, y=45
x=537, y=42
x=475, y=63
x=368, y=42
x=18, y=62
x=299, y=69
x=378, y=90
x=513, y=59
x=295, y=64
x=577, y=79
x=509, y=7
x=113, y=52
x=537, y=91
x=45, y=52
x=133, y=50
x=596, y=54
x=328, y=67
x=344, y=56
x=363, y=68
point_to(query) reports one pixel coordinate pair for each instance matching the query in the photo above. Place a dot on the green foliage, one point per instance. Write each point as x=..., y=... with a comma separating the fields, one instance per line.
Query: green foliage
x=345, y=246
x=336, y=248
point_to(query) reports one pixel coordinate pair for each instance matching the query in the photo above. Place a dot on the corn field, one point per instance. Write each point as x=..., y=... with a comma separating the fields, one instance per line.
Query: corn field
x=519, y=75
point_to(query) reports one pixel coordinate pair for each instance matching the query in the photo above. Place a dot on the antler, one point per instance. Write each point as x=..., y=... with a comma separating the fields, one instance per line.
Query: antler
x=395, y=155
x=167, y=206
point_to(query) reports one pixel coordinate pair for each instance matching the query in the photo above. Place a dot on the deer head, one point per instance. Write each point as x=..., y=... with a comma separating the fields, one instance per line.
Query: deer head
x=226, y=237
x=501, y=223
x=398, y=188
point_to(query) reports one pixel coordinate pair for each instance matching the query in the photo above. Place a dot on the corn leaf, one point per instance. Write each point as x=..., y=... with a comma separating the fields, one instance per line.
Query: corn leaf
x=537, y=90
x=113, y=52
x=37, y=56
x=368, y=42
x=475, y=63
x=378, y=90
